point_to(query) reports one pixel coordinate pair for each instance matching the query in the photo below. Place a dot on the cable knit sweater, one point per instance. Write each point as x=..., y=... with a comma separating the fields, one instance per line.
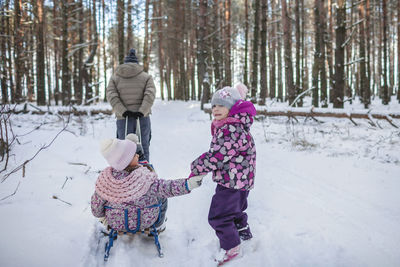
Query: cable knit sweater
x=134, y=190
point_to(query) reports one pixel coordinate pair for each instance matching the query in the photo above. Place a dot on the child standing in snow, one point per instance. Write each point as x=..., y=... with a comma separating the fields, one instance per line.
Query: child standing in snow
x=126, y=188
x=232, y=160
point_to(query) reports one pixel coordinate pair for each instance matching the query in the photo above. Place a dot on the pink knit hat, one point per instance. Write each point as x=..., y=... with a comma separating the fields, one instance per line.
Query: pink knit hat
x=118, y=153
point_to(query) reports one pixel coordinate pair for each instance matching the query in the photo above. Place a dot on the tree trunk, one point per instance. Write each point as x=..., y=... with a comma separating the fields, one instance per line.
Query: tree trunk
x=48, y=73
x=322, y=58
x=298, y=62
x=304, y=64
x=316, y=74
x=40, y=60
x=66, y=86
x=272, y=53
x=146, y=38
x=201, y=44
x=78, y=55
x=56, y=26
x=10, y=57
x=254, y=69
x=88, y=65
x=329, y=49
x=246, y=42
x=385, y=89
x=192, y=49
x=339, y=54
x=180, y=30
x=279, y=52
x=289, y=85
x=227, y=57
x=121, y=30
x=16, y=96
x=391, y=48
x=168, y=79
x=160, y=30
x=398, y=51
x=364, y=85
x=349, y=72
x=103, y=6
x=216, y=43
x=3, y=50
x=129, y=29
x=367, y=93
x=263, y=63
x=28, y=61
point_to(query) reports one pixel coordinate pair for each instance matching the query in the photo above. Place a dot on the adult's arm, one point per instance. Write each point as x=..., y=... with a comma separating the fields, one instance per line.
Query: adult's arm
x=114, y=98
x=148, y=97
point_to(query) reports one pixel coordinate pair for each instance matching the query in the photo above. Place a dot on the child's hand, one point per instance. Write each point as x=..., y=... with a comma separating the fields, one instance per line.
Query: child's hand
x=194, y=181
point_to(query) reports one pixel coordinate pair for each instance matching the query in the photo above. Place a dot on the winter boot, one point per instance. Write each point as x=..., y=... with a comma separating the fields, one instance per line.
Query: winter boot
x=245, y=233
x=228, y=255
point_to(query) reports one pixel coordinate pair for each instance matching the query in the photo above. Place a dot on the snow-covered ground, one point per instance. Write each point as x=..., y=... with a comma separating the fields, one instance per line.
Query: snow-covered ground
x=325, y=194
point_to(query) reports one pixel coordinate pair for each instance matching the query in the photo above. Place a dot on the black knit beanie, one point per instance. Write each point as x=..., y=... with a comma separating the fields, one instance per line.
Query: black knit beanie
x=131, y=58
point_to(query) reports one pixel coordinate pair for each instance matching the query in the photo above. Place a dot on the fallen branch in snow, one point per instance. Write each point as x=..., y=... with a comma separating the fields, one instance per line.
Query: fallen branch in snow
x=66, y=179
x=390, y=120
x=77, y=163
x=56, y=197
x=328, y=113
x=15, y=191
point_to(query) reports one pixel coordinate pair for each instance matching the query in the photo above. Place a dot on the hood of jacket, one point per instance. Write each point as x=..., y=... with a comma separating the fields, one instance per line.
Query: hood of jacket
x=244, y=111
x=128, y=70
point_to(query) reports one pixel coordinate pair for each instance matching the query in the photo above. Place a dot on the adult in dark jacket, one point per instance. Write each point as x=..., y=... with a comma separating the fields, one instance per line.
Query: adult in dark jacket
x=131, y=93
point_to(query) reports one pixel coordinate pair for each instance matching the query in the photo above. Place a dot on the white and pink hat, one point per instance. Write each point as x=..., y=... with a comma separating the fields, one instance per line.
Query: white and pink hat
x=228, y=96
x=118, y=153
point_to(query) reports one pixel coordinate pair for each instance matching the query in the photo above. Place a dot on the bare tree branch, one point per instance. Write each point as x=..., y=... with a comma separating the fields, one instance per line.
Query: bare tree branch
x=22, y=166
x=15, y=191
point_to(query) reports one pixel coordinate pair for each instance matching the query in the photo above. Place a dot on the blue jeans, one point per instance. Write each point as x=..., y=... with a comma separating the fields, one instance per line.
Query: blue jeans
x=145, y=128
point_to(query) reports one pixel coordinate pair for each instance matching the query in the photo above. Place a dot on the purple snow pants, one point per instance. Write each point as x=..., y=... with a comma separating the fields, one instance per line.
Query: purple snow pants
x=227, y=215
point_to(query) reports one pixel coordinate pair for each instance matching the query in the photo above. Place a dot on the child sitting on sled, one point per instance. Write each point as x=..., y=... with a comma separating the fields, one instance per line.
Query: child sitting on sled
x=127, y=193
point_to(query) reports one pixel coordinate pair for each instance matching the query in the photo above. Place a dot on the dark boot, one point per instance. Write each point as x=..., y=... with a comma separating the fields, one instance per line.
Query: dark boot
x=245, y=233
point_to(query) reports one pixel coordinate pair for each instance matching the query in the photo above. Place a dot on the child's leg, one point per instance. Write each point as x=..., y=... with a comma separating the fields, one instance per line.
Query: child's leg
x=241, y=220
x=226, y=205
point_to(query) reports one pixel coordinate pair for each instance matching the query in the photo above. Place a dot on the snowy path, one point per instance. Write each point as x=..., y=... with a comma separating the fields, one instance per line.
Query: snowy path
x=326, y=206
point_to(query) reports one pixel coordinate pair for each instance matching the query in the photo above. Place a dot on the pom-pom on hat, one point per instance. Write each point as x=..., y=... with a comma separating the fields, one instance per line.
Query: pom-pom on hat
x=131, y=58
x=139, y=149
x=118, y=153
x=228, y=96
x=242, y=90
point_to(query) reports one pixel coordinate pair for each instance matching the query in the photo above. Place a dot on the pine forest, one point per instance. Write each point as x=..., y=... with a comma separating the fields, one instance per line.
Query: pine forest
x=64, y=52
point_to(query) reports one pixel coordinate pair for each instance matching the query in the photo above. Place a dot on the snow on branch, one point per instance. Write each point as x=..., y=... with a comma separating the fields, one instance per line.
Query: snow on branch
x=355, y=61
x=354, y=24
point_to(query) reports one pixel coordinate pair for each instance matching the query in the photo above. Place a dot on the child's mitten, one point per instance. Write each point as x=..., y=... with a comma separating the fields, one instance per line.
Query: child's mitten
x=194, y=182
